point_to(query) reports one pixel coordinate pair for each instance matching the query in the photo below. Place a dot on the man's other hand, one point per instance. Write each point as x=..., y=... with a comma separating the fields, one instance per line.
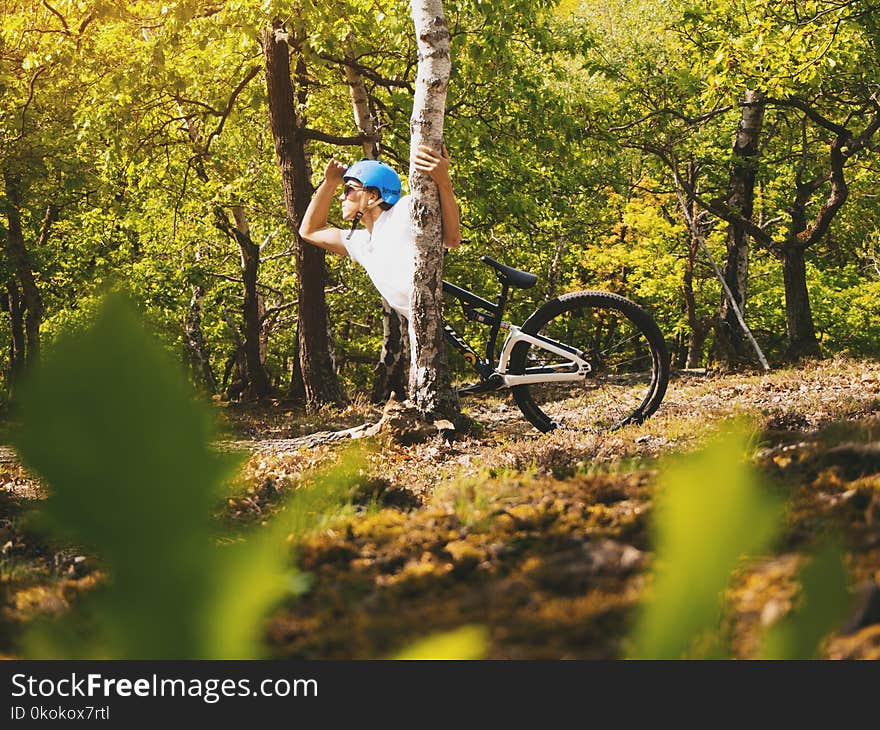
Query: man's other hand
x=434, y=164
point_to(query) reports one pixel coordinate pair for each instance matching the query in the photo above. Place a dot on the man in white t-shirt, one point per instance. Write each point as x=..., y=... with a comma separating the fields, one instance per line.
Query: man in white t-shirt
x=372, y=196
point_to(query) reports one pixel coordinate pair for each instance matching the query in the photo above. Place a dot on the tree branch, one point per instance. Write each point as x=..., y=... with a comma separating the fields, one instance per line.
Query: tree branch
x=57, y=15
x=368, y=73
x=195, y=102
x=227, y=277
x=836, y=198
x=860, y=142
x=812, y=114
x=230, y=103
x=281, y=255
x=268, y=239
x=50, y=217
x=716, y=207
x=673, y=113
x=333, y=139
x=85, y=23
x=30, y=98
x=271, y=311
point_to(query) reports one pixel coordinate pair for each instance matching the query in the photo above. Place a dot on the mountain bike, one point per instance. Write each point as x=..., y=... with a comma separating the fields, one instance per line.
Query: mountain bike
x=614, y=372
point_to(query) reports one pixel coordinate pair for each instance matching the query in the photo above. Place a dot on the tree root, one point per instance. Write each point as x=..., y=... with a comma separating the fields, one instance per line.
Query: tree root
x=401, y=423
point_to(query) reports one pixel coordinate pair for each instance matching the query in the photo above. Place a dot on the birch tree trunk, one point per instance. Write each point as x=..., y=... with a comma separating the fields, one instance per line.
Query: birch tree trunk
x=360, y=105
x=430, y=387
x=195, y=341
x=315, y=351
x=391, y=373
x=730, y=340
x=199, y=356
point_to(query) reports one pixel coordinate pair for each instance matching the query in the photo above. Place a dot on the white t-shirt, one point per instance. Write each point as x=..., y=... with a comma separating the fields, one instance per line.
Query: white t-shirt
x=388, y=254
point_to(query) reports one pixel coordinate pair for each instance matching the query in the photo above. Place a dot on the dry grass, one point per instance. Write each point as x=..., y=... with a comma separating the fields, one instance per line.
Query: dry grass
x=541, y=538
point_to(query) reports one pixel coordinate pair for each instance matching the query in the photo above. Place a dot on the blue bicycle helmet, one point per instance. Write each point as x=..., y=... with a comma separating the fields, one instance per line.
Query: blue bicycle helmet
x=375, y=174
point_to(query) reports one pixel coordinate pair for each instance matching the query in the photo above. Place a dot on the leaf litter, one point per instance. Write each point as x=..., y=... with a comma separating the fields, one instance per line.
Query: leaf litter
x=542, y=539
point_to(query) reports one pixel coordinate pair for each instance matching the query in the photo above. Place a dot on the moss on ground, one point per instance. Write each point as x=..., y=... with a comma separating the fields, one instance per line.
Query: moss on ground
x=543, y=539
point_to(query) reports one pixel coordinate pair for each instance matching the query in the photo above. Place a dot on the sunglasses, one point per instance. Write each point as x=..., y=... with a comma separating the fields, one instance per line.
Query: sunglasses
x=348, y=189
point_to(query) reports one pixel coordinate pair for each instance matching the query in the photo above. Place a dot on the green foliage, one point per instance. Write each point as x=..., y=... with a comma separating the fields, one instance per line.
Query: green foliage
x=823, y=602
x=563, y=121
x=464, y=643
x=712, y=514
x=112, y=427
x=318, y=500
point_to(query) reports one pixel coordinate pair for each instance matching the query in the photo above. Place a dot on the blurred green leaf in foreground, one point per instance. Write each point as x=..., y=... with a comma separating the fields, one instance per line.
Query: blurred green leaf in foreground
x=711, y=512
x=822, y=604
x=463, y=643
x=112, y=427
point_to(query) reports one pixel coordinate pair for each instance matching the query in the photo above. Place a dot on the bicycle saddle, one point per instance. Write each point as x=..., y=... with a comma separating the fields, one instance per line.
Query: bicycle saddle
x=515, y=277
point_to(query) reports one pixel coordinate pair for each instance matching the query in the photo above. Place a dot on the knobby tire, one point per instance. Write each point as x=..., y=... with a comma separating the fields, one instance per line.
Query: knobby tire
x=625, y=348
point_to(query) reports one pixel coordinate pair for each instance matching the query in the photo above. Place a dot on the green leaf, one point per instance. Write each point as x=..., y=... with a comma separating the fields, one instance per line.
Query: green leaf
x=111, y=425
x=711, y=513
x=466, y=642
x=823, y=603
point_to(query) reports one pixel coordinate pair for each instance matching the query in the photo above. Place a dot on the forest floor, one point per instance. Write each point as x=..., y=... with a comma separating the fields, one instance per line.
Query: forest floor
x=542, y=539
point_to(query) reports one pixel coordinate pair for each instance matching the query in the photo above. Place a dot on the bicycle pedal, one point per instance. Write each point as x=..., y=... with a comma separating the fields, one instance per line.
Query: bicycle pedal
x=470, y=388
x=494, y=382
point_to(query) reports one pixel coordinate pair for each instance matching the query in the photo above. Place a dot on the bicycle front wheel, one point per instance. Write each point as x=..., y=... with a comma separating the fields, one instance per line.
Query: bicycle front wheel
x=629, y=363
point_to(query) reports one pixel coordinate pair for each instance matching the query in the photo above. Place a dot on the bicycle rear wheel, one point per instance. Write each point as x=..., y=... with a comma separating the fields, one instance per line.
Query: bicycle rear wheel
x=626, y=351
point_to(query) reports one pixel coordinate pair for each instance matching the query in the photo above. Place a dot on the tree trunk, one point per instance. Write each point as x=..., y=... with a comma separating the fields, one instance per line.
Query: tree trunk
x=17, y=339
x=554, y=272
x=297, y=389
x=264, y=329
x=195, y=342
x=391, y=372
x=360, y=105
x=802, y=340
x=237, y=361
x=21, y=262
x=258, y=380
x=319, y=376
x=730, y=341
x=430, y=386
x=699, y=328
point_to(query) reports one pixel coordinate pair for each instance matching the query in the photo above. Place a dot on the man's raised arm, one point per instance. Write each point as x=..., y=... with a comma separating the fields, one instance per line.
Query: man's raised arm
x=437, y=166
x=314, y=227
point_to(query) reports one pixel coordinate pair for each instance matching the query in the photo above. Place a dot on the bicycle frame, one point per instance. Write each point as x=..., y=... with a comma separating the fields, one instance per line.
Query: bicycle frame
x=561, y=372
x=481, y=310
